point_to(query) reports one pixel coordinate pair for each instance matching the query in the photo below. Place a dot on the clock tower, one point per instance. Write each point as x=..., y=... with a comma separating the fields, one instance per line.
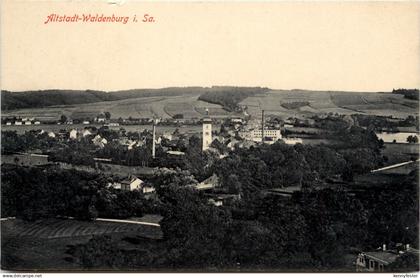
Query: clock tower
x=207, y=138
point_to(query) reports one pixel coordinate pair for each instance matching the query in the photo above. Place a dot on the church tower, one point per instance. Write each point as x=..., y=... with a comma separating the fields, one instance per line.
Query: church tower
x=207, y=139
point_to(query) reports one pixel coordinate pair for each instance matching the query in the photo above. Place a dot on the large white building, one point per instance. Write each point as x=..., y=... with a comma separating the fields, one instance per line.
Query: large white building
x=207, y=138
x=270, y=135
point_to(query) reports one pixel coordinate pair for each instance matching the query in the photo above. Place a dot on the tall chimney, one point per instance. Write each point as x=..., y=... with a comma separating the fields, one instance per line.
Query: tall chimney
x=262, y=126
x=154, y=140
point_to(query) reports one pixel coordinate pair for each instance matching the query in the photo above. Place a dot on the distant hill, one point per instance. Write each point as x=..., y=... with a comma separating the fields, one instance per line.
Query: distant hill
x=45, y=98
x=38, y=99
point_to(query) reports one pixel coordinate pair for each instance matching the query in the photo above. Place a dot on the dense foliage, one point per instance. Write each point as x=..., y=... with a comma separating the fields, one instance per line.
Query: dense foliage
x=230, y=97
x=34, y=193
x=408, y=93
x=312, y=231
x=13, y=142
x=247, y=171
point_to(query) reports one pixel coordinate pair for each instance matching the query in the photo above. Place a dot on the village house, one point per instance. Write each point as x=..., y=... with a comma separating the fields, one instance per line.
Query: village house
x=112, y=124
x=100, y=118
x=133, y=183
x=86, y=132
x=73, y=134
x=167, y=135
x=218, y=200
x=131, y=145
x=231, y=143
x=379, y=260
x=209, y=183
x=236, y=120
x=374, y=261
x=99, y=141
x=147, y=189
x=51, y=134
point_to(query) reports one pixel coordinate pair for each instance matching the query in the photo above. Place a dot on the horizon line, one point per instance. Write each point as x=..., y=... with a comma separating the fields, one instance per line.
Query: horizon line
x=208, y=87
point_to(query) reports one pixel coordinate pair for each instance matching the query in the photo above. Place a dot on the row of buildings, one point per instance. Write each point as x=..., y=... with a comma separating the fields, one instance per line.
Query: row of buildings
x=239, y=130
x=23, y=121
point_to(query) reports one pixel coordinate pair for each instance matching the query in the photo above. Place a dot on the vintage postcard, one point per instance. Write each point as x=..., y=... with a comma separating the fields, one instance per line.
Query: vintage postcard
x=240, y=136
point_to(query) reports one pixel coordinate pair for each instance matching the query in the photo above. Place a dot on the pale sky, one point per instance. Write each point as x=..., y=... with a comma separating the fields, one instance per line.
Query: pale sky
x=356, y=46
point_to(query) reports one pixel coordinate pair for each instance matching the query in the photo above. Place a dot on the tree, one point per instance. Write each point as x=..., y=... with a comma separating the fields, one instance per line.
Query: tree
x=196, y=233
x=107, y=115
x=63, y=119
x=412, y=139
x=408, y=262
x=27, y=192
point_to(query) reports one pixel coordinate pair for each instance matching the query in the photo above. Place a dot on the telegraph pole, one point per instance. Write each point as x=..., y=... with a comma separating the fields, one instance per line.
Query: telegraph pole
x=154, y=139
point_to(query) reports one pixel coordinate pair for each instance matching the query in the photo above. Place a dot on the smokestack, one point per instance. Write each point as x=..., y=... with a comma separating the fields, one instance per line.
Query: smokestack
x=154, y=140
x=262, y=127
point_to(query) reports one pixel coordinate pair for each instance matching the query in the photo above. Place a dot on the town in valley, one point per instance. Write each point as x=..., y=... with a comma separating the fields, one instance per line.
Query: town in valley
x=210, y=179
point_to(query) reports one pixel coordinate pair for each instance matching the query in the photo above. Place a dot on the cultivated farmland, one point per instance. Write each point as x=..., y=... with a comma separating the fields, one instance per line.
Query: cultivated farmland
x=44, y=245
x=58, y=228
x=301, y=103
x=144, y=107
x=284, y=103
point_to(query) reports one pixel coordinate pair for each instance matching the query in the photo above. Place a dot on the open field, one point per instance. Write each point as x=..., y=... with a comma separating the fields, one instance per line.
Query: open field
x=43, y=245
x=386, y=177
x=25, y=160
x=301, y=103
x=144, y=107
x=397, y=153
x=276, y=101
x=58, y=228
x=397, y=137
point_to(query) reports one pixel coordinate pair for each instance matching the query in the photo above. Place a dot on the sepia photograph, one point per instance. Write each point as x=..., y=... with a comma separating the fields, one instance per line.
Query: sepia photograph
x=210, y=137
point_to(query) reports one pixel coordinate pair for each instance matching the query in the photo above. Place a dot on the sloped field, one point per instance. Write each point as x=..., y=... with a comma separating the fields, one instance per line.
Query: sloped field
x=276, y=102
x=58, y=228
x=144, y=107
x=273, y=102
x=44, y=245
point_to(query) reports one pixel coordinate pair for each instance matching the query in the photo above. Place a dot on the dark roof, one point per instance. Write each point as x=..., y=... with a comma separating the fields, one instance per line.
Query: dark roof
x=382, y=256
x=130, y=179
